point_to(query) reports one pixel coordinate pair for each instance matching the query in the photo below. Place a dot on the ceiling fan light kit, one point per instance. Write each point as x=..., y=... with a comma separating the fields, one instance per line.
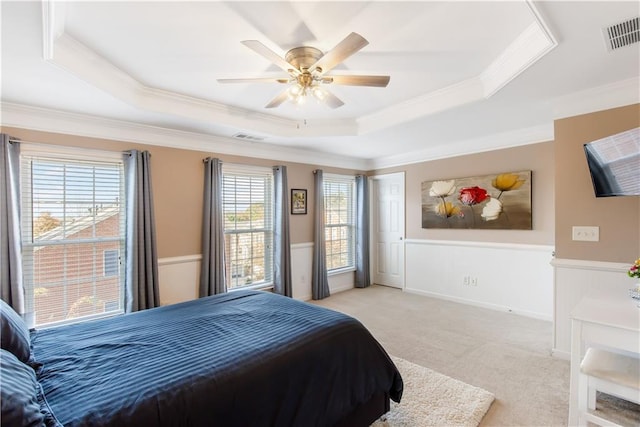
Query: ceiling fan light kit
x=298, y=92
x=307, y=66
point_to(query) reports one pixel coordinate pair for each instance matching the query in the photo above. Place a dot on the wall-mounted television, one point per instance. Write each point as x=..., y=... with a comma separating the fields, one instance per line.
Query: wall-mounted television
x=614, y=164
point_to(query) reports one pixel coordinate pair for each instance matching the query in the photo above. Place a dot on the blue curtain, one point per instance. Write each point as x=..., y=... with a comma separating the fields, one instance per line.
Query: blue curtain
x=212, y=273
x=141, y=271
x=11, y=285
x=362, y=279
x=319, y=280
x=282, y=283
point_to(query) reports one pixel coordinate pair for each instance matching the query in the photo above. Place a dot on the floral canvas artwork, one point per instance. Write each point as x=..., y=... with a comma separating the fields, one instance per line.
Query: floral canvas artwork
x=499, y=201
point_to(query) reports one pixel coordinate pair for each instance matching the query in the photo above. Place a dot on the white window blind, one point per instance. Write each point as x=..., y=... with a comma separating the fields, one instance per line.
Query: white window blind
x=339, y=204
x=72, y=237
x=248, y=225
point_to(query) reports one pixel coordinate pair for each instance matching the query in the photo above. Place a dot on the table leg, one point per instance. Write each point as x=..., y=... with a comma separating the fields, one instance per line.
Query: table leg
x=576, y=357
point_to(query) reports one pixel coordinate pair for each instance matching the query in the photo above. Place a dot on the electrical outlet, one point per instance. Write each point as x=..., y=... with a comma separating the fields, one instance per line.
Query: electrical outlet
x=585, y=233
x=474, y=281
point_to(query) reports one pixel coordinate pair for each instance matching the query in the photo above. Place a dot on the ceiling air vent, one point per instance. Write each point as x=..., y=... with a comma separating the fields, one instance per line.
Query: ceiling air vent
x=622, y=34
x=248, y=137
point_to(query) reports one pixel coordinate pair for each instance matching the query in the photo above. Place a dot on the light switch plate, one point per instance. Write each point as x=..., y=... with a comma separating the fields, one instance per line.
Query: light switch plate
x=586, y=233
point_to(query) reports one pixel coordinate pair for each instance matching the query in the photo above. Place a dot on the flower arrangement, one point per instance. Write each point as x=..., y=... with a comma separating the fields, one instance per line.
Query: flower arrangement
x=634, y=270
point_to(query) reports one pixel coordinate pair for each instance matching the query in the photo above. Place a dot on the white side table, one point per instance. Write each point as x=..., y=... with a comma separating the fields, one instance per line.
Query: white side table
x=610, y=321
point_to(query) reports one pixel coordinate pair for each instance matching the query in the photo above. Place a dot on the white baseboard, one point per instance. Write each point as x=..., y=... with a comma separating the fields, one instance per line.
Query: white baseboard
x=333, y=290
x=540, y=316
x=558, y=354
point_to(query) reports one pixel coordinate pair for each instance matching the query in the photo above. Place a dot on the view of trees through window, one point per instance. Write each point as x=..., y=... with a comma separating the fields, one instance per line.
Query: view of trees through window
x=44, y=223
x=248, y=217
x=339, y=221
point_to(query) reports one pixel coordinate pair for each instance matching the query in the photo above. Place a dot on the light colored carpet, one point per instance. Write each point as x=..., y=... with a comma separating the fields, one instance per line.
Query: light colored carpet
x=433, y=399
x=501, y=352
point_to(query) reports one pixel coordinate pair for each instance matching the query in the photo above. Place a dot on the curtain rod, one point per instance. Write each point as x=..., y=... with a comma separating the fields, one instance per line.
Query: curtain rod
x=208, y=158
x=45, y=144
x=53, y=147
x=221, y=162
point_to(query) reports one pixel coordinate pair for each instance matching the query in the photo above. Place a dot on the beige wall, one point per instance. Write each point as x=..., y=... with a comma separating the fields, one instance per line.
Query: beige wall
x=178, y=180
x=561, y=190
x=539, y=158
x=576, y=204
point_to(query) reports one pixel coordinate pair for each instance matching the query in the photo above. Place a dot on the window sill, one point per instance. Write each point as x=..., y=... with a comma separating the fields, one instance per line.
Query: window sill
x=340, y=271
x=260, y=287
x=79, y=319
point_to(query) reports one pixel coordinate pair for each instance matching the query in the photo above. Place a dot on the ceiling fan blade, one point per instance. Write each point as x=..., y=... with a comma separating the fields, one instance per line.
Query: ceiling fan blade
x=347, y=47
x=376, y=81
x=261, y=49
x=332, y=101
x=254, y=80
x=282, y=96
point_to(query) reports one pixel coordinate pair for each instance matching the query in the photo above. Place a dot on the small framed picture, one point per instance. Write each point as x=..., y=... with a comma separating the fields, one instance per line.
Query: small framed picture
x=298, y=202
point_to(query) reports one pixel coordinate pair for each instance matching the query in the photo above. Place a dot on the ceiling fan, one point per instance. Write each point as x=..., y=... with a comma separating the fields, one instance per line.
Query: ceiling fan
x=307, y=68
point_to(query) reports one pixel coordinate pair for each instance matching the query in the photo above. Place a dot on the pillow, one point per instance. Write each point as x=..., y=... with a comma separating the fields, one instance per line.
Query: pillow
x=14, y=336
x=19, y=393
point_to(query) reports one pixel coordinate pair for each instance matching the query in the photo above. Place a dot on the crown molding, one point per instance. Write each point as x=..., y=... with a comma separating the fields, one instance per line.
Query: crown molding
x=614, y=95
x=531, y=45
x=54, y=121
x=455, y=95
x=74, y=57
x=64, y=51
x=516, y=138
x=619, y=94
x=46, y=120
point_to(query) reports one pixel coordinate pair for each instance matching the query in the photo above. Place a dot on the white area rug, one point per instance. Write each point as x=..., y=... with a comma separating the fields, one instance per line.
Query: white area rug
x=433, y=399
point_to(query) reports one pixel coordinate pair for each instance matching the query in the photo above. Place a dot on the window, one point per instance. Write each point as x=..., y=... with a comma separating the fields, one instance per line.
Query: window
x=111, y=262
x=339, y=204
x=72, y=233
x=247, y=199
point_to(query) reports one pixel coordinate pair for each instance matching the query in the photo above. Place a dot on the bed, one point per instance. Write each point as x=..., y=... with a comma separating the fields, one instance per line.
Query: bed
x=244, y=358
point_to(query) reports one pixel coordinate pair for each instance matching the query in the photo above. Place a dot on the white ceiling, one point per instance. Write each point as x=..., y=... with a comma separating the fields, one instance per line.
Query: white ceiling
x=465, y=76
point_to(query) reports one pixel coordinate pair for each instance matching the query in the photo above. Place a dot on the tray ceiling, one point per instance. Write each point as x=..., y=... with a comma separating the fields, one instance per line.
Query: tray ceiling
x=462, y=73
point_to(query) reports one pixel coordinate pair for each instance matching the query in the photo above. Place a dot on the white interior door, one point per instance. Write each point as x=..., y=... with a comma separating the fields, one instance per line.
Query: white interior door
x=387, y=229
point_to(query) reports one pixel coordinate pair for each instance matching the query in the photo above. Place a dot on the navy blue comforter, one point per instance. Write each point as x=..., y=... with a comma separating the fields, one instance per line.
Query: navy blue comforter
x=245, y=358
